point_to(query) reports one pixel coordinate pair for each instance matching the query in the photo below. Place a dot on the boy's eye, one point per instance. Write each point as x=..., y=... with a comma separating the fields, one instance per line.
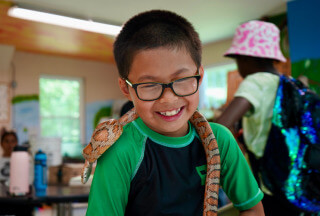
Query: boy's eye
x=180, y=80
x=149, y=85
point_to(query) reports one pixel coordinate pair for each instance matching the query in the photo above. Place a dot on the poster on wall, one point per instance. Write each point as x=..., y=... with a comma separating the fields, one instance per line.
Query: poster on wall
x=99, y=111
x=4, y=103
x=26, y=118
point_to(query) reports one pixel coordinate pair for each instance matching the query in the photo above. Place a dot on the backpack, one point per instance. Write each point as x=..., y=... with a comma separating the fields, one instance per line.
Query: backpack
x=290, y=166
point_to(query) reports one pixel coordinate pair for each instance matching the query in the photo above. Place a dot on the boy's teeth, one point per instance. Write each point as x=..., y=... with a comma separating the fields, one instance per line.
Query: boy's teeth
x=170, y=113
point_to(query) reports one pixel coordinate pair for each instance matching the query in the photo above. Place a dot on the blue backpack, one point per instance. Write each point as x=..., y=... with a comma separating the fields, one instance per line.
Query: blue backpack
x=290, y=166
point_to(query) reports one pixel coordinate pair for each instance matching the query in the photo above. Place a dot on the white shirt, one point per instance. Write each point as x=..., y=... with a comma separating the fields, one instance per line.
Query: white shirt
x=260, y=90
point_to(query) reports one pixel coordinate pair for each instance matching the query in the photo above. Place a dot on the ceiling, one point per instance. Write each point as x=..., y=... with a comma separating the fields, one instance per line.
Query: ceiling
x=213, y=19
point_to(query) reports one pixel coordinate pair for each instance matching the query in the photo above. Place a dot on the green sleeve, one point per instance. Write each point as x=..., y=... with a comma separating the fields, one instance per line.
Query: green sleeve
x=115, y=168
x=236, y=177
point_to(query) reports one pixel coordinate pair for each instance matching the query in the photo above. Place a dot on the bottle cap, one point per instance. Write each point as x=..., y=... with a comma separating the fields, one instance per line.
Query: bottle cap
x=40, y=151
x=20, y=148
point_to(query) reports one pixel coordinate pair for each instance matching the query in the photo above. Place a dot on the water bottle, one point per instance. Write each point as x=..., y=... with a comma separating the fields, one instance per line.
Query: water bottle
x=19, y=171
x=40, y=173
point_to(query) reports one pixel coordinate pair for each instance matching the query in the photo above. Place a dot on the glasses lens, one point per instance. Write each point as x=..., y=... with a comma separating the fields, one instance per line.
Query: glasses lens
x=149, y=91
x=185, y=86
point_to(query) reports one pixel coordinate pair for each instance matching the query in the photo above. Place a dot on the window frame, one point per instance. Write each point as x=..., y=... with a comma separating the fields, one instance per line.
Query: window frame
x=217, y=65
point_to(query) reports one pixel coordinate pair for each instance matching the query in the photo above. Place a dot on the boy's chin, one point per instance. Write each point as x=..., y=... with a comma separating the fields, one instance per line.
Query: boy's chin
x=174, y=132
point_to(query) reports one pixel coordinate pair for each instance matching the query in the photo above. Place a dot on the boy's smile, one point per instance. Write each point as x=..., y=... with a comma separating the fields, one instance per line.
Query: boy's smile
x=169, y=114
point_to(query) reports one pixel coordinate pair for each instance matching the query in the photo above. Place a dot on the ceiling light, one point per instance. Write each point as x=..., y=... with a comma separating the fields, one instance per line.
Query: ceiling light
x=69, y=22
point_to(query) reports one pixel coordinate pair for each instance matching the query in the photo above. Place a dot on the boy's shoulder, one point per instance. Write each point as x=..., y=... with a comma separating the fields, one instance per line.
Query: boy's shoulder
x=128, y=141
x=219, y=129
x=130, y=133
x=128, y=148
x=226, y=142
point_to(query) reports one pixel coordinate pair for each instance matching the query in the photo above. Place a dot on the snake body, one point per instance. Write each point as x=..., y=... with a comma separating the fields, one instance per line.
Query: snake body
x=107, y=133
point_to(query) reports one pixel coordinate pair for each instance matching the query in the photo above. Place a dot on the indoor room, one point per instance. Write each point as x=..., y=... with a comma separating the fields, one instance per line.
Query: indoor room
x=59, y=82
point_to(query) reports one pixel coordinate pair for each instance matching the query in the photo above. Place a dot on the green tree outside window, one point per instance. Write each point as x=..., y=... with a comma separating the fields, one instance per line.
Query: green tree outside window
x=60, y=113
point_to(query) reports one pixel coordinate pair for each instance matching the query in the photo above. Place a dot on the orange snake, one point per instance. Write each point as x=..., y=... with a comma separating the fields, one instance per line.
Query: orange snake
x=106, y=133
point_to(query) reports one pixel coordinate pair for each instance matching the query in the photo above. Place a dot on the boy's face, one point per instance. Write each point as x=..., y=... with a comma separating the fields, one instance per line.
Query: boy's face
x=169, y=114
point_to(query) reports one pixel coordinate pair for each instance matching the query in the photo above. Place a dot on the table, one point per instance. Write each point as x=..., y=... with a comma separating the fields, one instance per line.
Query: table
x=61, y=195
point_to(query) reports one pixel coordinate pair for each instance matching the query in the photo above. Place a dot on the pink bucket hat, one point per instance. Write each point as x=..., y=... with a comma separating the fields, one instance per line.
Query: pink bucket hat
x=257, y=39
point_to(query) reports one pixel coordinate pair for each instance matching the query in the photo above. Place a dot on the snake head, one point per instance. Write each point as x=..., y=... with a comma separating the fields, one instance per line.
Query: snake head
x=86, y=171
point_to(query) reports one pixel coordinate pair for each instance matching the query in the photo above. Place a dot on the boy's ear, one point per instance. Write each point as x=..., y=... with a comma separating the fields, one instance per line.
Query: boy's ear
x=201, y=73
x=124, y=88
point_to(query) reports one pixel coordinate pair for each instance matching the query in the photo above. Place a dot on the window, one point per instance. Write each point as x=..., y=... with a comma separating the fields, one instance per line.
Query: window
x=61, y=112
x=213, y=91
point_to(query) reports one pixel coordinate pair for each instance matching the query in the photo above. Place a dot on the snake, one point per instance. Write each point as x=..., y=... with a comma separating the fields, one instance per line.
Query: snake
x=108, y=132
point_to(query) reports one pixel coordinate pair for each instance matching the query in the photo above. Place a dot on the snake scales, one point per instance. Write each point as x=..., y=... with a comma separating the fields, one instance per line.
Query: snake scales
x=106, y=133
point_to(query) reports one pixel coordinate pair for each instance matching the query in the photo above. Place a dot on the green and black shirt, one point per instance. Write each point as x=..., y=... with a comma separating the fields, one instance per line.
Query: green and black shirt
x=146, y=173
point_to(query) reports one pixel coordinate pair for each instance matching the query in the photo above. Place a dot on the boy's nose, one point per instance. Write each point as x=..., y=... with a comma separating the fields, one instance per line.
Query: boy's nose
x=168, y=96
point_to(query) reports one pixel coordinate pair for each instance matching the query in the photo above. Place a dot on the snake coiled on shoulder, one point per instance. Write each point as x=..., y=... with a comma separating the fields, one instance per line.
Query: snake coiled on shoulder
x=107, y=133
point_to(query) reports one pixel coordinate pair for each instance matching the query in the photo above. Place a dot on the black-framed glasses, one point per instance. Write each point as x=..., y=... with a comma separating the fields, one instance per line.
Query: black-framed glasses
x=150, y=91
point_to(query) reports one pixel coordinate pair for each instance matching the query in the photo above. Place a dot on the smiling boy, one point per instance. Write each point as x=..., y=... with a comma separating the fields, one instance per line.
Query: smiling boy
x=157, y=166
x=170, y=113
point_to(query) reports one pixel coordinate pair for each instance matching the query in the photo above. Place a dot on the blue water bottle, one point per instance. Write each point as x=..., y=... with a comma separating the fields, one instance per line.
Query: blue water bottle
x=40, y=173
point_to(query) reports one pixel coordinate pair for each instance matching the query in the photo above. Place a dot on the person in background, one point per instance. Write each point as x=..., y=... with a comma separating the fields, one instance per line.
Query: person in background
x=126, y=107
x=9, y=140
x=255, y=48
x=157, y=166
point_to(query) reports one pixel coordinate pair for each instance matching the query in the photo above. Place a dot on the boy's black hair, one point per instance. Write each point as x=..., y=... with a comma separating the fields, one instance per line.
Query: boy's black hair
x=153, y=29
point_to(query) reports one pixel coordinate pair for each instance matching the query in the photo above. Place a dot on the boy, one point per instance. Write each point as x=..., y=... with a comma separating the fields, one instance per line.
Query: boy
x=157, y=165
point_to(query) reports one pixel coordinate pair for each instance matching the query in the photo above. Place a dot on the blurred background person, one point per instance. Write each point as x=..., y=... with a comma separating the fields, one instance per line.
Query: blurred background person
x=255, y=48
x=9, y=140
